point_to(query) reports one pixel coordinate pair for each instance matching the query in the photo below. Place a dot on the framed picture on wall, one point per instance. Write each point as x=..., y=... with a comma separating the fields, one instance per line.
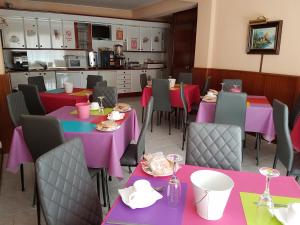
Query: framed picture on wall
x=264, y=38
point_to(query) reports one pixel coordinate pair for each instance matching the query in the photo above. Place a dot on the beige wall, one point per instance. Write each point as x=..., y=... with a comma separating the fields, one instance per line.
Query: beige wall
x=227, y=32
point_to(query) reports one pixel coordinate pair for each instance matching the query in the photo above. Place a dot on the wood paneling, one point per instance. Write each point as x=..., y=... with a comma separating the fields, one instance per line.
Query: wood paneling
x=283, y=87
x=6, y=127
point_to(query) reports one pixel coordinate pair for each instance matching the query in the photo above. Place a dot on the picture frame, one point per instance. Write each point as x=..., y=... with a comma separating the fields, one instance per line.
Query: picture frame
x=264, y=38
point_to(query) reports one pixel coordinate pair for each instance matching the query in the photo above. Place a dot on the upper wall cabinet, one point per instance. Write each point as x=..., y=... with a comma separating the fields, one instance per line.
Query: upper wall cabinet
x=57, y=34
x=44, y=33
x=31, y=33
x=13, y=33
x=133, y=38
x=156, y=39
x=69, y=34
x=118, y=33
x=145, y=35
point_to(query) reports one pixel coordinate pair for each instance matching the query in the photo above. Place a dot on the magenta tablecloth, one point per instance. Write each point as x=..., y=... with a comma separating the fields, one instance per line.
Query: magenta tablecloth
x=102, y=149
x=233, y=214
x=259, y=117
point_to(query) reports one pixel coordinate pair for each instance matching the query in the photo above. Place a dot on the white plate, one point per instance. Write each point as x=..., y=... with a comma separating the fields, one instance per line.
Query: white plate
x=148, y=171
x=122, y=111
x=281, y=214
x=122, y=115
x=108, y=129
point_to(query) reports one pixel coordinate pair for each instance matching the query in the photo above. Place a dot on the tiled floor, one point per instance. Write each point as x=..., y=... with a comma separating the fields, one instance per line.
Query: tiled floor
x=15, y=206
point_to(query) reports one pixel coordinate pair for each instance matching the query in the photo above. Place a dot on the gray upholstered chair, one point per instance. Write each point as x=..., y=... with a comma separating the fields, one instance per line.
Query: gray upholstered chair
x=143, y=83
x=294, y=113
x=134, y=152
x=92, y=80
x=284, y=146
x=101, y=84
x=205, y=86
x=16, y=108
x=185, y=113
x=228, y=84
x=231, y=109
x=214, y=145
x=110, y=95
x=38, y=81
x=66, y=191
x=185, y=77
x=161, y=95
x=32, y=99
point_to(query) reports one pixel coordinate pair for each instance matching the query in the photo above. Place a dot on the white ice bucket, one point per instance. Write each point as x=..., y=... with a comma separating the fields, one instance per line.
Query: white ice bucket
x=211, y=191
x=172, y=82
x=68, y=87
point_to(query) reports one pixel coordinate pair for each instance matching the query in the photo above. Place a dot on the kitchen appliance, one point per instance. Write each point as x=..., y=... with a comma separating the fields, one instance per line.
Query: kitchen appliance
x=75, y=62
x=106, y=59
x=93, y=59
x=20, y=61
x=119, y=57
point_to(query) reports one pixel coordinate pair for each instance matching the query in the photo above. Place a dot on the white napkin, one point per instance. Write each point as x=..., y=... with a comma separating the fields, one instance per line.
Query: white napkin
x=289, y=215
x=144, y=200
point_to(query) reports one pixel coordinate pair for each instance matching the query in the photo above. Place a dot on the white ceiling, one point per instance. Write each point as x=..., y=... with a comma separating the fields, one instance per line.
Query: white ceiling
x=116, y=4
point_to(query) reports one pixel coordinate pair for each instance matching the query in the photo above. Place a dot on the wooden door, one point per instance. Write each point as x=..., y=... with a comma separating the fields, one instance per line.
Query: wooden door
x=184, y=37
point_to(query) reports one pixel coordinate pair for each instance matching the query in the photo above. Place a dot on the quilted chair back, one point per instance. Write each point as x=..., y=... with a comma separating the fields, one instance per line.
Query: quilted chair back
x=32, y=99
x=38, y=81
x=161, y=95
x=110, y=96
x=16, y=107
x=214, y=145
x=92, y=80
x=41, y=134
x=68, y=195
x=143, y=81
x=184, y=77
x=284, y=146
x=228, y=84
x=231, y=109
x=101, y=84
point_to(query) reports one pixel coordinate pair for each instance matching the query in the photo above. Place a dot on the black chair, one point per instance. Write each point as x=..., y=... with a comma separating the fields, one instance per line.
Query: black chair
x=134, y=152
x=92, y=81
x=205, y=86
x=185, y=113
x=185, y=77
x=38, y=81
x=16, y=108
x=65, y=189
x=284, y=146
x=32, y=99
x=214, y=145
x=101, y=84
x=143, y=83
x=110, y=95
x=161, y=95
x=294, y=113
x=229, y=83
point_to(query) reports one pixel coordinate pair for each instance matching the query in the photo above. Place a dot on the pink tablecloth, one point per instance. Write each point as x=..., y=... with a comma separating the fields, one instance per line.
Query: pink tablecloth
x=295, y=134
x=233, y=214
x=259, y=116
x=191, y=93
x=102, y=149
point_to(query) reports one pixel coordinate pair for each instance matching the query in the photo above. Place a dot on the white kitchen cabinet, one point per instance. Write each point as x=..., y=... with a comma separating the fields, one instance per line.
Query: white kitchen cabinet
x=156, y=39
x=110, y=76
x=57, y=34
x=145, y=38
x=44, y=33
x=84, y=75
x=17, y=78
x=118, y=33
x=69, y=35
x=135, y=80
x=123, y=81
x=133, y=38
x=13, y=33
x=49, y=78
x=31, y=33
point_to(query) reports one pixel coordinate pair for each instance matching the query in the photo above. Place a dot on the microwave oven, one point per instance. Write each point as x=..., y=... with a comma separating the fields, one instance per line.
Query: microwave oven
x=76, y=62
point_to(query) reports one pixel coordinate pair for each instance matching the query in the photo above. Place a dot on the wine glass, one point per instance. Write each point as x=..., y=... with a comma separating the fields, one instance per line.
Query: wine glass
x=265, y=198
x=174, y=186
x=101, y=108
x=222, y=86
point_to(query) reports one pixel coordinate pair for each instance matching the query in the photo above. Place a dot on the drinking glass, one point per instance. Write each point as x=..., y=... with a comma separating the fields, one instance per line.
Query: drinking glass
x=88, y=97
x=101, y=108
x=174, y=187
x=265, y=198
x=222, y=86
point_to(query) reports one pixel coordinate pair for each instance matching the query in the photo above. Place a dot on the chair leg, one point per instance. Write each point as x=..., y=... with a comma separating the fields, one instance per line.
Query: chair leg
x=297, y=178
x=288, y=173
x=129, y=169
x=109, y=178
x=108, y=200
x=157, y=114
x=38, y=206
x=151, y=121
x=22, y=177
x=275, y=161
x=161, y=114
x=183, y=137
x=98, y=184
x=258, y=148
x=169, y=118
x=103, y=186
x=142, y=114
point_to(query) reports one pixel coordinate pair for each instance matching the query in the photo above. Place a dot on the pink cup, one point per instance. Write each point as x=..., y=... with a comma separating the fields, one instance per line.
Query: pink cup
x=83, y=110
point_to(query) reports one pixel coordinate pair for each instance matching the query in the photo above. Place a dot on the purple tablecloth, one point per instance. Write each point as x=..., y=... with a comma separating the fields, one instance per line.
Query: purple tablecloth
x=259, y=117
x=102, y=149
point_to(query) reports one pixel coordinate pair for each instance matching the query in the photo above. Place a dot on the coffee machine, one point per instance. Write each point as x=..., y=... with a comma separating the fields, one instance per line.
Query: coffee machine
x=106, y=59
x=119, y=57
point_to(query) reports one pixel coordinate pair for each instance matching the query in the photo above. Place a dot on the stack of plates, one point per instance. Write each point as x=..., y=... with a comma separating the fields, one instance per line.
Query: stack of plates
x=107, y=125
x=122, y=107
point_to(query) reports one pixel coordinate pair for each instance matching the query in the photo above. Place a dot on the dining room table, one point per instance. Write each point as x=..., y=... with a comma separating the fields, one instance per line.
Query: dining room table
x=191, y=93
x=259, y=116
x=102, y=149
x=240, y=209
x=57, y=98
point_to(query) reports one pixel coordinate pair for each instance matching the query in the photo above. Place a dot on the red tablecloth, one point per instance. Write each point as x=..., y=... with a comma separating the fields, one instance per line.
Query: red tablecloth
x=295, y=134
x=54, y=101
x=191, y=92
